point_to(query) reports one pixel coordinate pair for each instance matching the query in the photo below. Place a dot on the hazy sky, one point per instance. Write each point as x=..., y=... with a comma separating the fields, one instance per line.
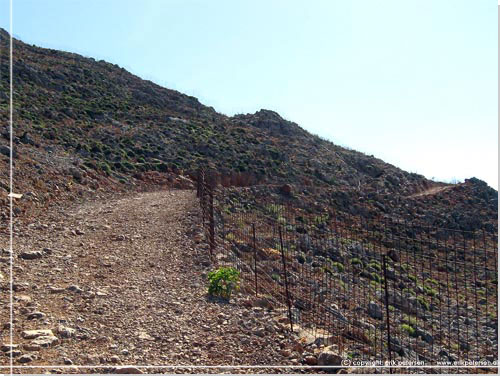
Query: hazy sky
x=412, y=82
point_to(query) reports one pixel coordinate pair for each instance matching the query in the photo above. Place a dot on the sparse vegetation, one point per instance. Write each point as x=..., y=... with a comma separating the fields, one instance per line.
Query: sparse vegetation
x=223, y=281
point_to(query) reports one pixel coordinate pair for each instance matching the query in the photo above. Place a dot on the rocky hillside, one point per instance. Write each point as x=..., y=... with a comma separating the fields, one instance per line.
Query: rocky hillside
x=82, y=125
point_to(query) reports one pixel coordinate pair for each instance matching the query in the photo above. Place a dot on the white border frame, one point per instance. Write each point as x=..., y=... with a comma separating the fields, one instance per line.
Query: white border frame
x=11, y=366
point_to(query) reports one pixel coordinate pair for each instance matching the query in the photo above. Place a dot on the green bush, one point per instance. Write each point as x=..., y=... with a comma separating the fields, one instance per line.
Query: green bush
x=430, y=291
x=376, y=277
x=105, y=167
x=423, y=302
x=375, y=265
x=338, y=266
x=223, y=281
x=408, y=329
x=356, y=261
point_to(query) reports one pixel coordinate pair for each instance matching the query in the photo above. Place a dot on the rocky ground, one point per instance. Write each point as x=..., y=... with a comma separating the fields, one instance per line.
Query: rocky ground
x=122, y=281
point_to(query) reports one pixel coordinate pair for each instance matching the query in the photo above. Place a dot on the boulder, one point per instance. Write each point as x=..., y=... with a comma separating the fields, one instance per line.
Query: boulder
x=328, y=357
x=31, y=334
x=375, y=311
x=31, y=255
x=286, y=189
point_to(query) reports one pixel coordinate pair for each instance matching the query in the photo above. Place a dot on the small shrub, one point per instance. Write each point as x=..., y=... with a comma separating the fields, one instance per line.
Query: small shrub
x=423, y=302
x=410, y=320
x=338, y=266
x=356, y=261
x=431, y=281
x=408, y=329
x=430, y=291
x=105, y=167
x=223, y=281
x=376, y=277
x=407, y=292
x=375, y=265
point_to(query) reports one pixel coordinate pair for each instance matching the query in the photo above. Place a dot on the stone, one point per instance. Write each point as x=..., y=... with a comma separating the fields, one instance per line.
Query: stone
x=145, y=336
x=5, y=150
x=425, y=335
x=66, y=332
x=23, y=298
x=75, y=288
x=35, y=315
x=13, y=353
x=45, y=341
x=31, y=255
x=47, y=251
x=375, y=311
x=26, y=358
x=286, y=189
x=263, y=303
x=67, y=361
x=127, y=370
x=31, y=334
x=464, y=346
x=311, y=360
x=30, y=347
x=115, y=359
x=286, y=352
x=443, y=353
x=56, y=290
x=394, y=255
x=259, y=332
x=329, y=358
x=8, y=347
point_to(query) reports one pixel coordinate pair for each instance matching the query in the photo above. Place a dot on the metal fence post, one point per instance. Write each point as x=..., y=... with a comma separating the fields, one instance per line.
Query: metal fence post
x=286, y=280
x=198, y=183
x=384, y=257
x=254, y=258
x=211, y=220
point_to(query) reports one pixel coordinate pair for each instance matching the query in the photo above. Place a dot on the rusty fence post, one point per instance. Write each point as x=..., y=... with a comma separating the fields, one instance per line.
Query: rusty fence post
x=255, y=258
x=211, y=220
x=202, y=198
x=388, y=325
x=286, y=280
x=198, y=182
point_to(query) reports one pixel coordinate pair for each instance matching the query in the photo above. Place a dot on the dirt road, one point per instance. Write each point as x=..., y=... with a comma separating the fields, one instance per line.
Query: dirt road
x=123, y=282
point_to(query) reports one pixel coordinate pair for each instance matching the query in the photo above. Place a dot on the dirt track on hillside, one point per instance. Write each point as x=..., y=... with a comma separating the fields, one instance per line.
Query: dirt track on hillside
x=122, y=282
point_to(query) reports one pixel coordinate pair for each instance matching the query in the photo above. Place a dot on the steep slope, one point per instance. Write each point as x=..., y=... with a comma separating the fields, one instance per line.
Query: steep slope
x=81, y=125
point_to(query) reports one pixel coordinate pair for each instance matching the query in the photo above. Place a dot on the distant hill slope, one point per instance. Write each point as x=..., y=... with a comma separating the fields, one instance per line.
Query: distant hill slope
x=82, y=124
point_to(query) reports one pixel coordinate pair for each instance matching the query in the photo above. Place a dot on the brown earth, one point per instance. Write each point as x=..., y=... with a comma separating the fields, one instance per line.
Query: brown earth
x=431, y=191
x=122, y=281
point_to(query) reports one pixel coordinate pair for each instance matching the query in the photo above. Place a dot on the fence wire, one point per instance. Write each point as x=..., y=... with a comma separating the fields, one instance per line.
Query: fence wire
x=376, y=288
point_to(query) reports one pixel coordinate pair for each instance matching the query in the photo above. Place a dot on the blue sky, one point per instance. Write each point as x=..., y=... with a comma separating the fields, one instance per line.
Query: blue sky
x=412, y=82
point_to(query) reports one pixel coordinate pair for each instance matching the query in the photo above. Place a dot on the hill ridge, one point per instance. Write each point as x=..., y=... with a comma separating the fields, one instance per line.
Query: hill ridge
x=84, y=125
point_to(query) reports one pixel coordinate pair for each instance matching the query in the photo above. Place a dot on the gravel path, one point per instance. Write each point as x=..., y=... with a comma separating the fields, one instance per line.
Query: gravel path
x=122, y=282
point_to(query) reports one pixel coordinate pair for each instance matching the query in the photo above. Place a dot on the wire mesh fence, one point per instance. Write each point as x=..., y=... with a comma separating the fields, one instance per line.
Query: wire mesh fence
x=379, y=289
